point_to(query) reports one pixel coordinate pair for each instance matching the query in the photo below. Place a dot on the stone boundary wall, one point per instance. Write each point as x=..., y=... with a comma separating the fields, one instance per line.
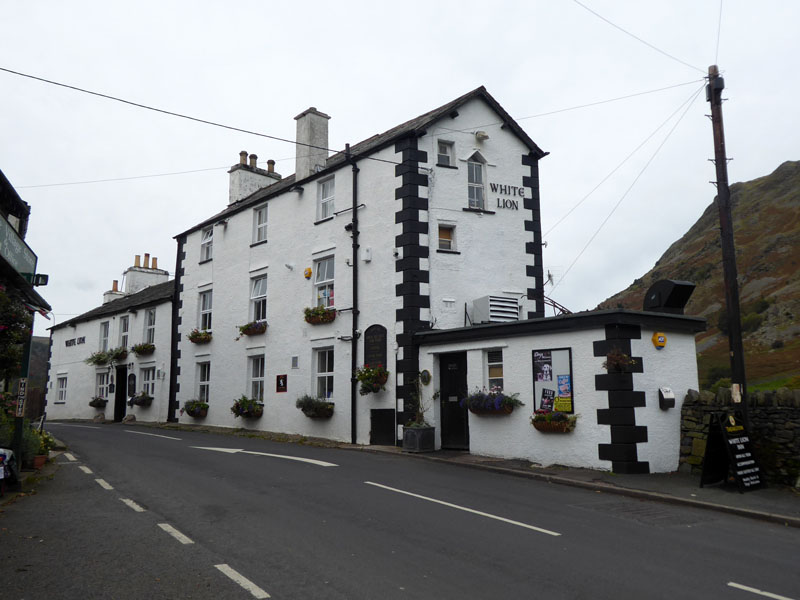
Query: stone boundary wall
x=774, y=424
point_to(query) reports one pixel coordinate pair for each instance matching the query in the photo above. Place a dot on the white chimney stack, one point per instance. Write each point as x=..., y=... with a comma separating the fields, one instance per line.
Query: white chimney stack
x=247, y=179
x=312, y=142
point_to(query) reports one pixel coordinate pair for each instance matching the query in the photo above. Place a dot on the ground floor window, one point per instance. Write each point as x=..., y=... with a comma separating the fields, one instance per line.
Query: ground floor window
x=149, y=381
x=257, y=378
x=203, y=381
x=101, y=389
x=494, y=361
x=324, y=373
x=62, y=390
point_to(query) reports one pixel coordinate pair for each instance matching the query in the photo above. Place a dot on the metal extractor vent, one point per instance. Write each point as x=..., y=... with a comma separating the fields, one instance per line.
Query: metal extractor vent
x=495, y=309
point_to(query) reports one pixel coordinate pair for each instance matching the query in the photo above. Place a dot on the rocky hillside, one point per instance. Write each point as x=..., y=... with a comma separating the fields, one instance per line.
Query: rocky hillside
x=766, y=216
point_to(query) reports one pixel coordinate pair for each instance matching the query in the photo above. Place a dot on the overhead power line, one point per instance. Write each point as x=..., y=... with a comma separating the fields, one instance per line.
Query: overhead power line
x=719, y=30
x=637, y=38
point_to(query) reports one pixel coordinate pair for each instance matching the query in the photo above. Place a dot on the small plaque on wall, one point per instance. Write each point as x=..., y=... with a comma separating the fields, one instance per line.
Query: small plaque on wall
x=280, y=383
x=375, y=345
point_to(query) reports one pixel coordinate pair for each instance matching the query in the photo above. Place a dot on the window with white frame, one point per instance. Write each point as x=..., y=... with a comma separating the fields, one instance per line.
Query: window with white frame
x=104, y=336
x=101, y=387
x=258, y=299
x=323, y=282
x=445, y=154
x=447, y=237
x=203, y=381
x=324, y=374
x=260, y=224
x=149, y=381
x=150, y=326
x=494, y=362
x=62, y=389
x=257, y=378
x=475, y=182
x=123, y=331
x=326, y=191
x=207, y=244
x=205, y=300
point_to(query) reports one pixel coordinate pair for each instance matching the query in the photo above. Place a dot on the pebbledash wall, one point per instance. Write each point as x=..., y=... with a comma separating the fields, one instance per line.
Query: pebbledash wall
x=623, y=430
x=72, y=383
x=406, y=283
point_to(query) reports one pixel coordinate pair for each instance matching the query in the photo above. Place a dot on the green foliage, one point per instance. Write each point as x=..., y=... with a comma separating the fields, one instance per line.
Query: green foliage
x=31, y=442
x=15, y=328
x=247, y=407
x=751, y=322
x=761, y=305
x=724, y=382
x=314, y=407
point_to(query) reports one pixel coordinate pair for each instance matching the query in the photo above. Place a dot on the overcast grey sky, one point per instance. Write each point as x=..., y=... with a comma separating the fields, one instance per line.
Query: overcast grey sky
x=372, y=65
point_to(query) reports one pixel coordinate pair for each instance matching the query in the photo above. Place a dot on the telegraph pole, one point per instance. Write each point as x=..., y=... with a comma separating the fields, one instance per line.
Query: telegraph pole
x=714, y=96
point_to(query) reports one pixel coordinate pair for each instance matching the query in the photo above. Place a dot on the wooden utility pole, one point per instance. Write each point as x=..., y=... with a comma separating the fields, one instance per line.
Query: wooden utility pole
x=714, y=96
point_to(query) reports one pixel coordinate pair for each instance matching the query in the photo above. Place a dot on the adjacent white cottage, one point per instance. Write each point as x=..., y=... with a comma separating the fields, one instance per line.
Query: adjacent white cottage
x=129, y=336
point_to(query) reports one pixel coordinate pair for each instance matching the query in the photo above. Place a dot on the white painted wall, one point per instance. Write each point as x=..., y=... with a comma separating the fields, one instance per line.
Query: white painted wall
x=81, y=378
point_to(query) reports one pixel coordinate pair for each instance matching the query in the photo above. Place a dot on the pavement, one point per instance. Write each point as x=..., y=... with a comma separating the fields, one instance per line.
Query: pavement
x=775, y=504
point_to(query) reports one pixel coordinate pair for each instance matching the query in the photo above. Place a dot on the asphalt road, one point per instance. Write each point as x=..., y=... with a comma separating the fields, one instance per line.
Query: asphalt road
x=186, y=521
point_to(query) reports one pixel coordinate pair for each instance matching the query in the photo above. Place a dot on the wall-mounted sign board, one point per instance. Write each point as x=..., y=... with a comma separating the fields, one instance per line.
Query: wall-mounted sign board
x=552, y=380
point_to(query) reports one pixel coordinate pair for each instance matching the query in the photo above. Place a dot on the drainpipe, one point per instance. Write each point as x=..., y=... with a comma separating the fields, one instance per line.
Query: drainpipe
x=355, y=332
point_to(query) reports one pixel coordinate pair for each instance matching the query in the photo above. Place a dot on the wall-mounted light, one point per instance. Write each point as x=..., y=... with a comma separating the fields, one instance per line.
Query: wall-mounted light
x=481, y=136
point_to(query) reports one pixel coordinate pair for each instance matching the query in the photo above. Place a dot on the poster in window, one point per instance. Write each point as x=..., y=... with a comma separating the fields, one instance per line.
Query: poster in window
x=543, y=365
x=552, y=380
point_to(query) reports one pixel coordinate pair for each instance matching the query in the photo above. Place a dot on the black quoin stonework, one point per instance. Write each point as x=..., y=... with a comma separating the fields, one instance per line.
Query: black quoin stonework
x=622, y=402
x=177, y=304
x=534, y=225
x=408, y=242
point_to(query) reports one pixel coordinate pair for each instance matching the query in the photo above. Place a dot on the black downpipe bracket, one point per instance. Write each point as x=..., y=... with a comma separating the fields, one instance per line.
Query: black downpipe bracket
x=355, y=334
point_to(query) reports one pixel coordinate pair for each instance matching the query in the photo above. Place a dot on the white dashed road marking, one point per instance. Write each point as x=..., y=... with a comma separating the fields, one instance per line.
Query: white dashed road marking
x=85, y=469
x=739, y=586
x=166, y=437
x=131, y=504
x=251, y=587
x=71, y=425
x=104, y=484
x=311, y=461
x=69, y=457
x=175, y=533
x=465, y=509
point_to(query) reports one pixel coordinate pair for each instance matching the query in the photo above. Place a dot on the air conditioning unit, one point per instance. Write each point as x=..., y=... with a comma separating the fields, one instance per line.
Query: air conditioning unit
x=495, y=309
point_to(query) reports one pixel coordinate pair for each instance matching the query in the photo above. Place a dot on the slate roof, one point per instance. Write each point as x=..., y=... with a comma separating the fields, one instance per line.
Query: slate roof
x=155, y=294
x=413, y=127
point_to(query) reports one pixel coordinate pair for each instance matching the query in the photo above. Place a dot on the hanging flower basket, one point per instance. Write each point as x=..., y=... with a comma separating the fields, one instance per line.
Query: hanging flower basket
x=254, y=328
x=319, y=315
x=118, y=354
x=314, y=408
x=196, y=409
x=142, y=399
x=98, y=359
x=143, y=349
x=493, y=402
x=373, y=379
x=247, y=408
x=548, y=421
x=199, y=337
x=98, y=402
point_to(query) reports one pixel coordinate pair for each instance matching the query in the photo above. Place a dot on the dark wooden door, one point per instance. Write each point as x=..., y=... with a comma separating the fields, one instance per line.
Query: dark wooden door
x=120, y=393
x=453, y=387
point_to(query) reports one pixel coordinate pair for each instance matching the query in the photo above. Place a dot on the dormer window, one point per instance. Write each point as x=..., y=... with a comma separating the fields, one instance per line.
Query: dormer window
x=207, y=244
x=445, y=156
x=475, y=186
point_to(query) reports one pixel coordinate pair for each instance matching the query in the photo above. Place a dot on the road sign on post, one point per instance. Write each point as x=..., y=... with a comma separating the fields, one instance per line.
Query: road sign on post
x=21, y=396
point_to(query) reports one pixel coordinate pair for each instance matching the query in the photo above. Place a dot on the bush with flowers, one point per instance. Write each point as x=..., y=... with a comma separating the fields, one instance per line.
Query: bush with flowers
x=373, y=379
x=495, y=401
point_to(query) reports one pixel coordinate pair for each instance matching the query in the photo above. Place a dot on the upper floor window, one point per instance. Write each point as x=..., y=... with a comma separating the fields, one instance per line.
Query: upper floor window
x=203, y=381
x=257, y=378
x=62, y=389
x=323, y=282
x=324, y=373
x=104, y=336
x=205, y=310
x=258, y=299
x=123, y=331
x=260, y=224
x=447, y=237
x=207, y=244
x=494, y=361
x=149, y=381
x=326, y=192
x=444, y=154
x=150, y=326
x=475, y=186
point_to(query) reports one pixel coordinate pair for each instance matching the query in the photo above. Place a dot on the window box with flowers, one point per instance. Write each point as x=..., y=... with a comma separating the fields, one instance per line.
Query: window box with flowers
x=373, y=379
x=98, y=359
x=247, y=408
x=552, y=421
x=493, y=402
x=118, y=354
x=143, y=349
x=319, y=315
x=199, y=337
x=98, y=402
x=142, y=399
x=314, y=408
x=254, y=328
x=196, y=409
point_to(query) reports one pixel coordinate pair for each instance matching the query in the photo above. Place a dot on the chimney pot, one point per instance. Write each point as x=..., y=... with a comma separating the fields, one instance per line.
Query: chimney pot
x=136, y=260
x=146, y=264
x=271, y=165
x=115, y=286
x=243, y=157
x=253, y=161
x=155, y=262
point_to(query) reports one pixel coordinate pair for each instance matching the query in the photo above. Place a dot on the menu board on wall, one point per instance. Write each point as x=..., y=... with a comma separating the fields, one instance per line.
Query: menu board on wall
x=552, y=380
